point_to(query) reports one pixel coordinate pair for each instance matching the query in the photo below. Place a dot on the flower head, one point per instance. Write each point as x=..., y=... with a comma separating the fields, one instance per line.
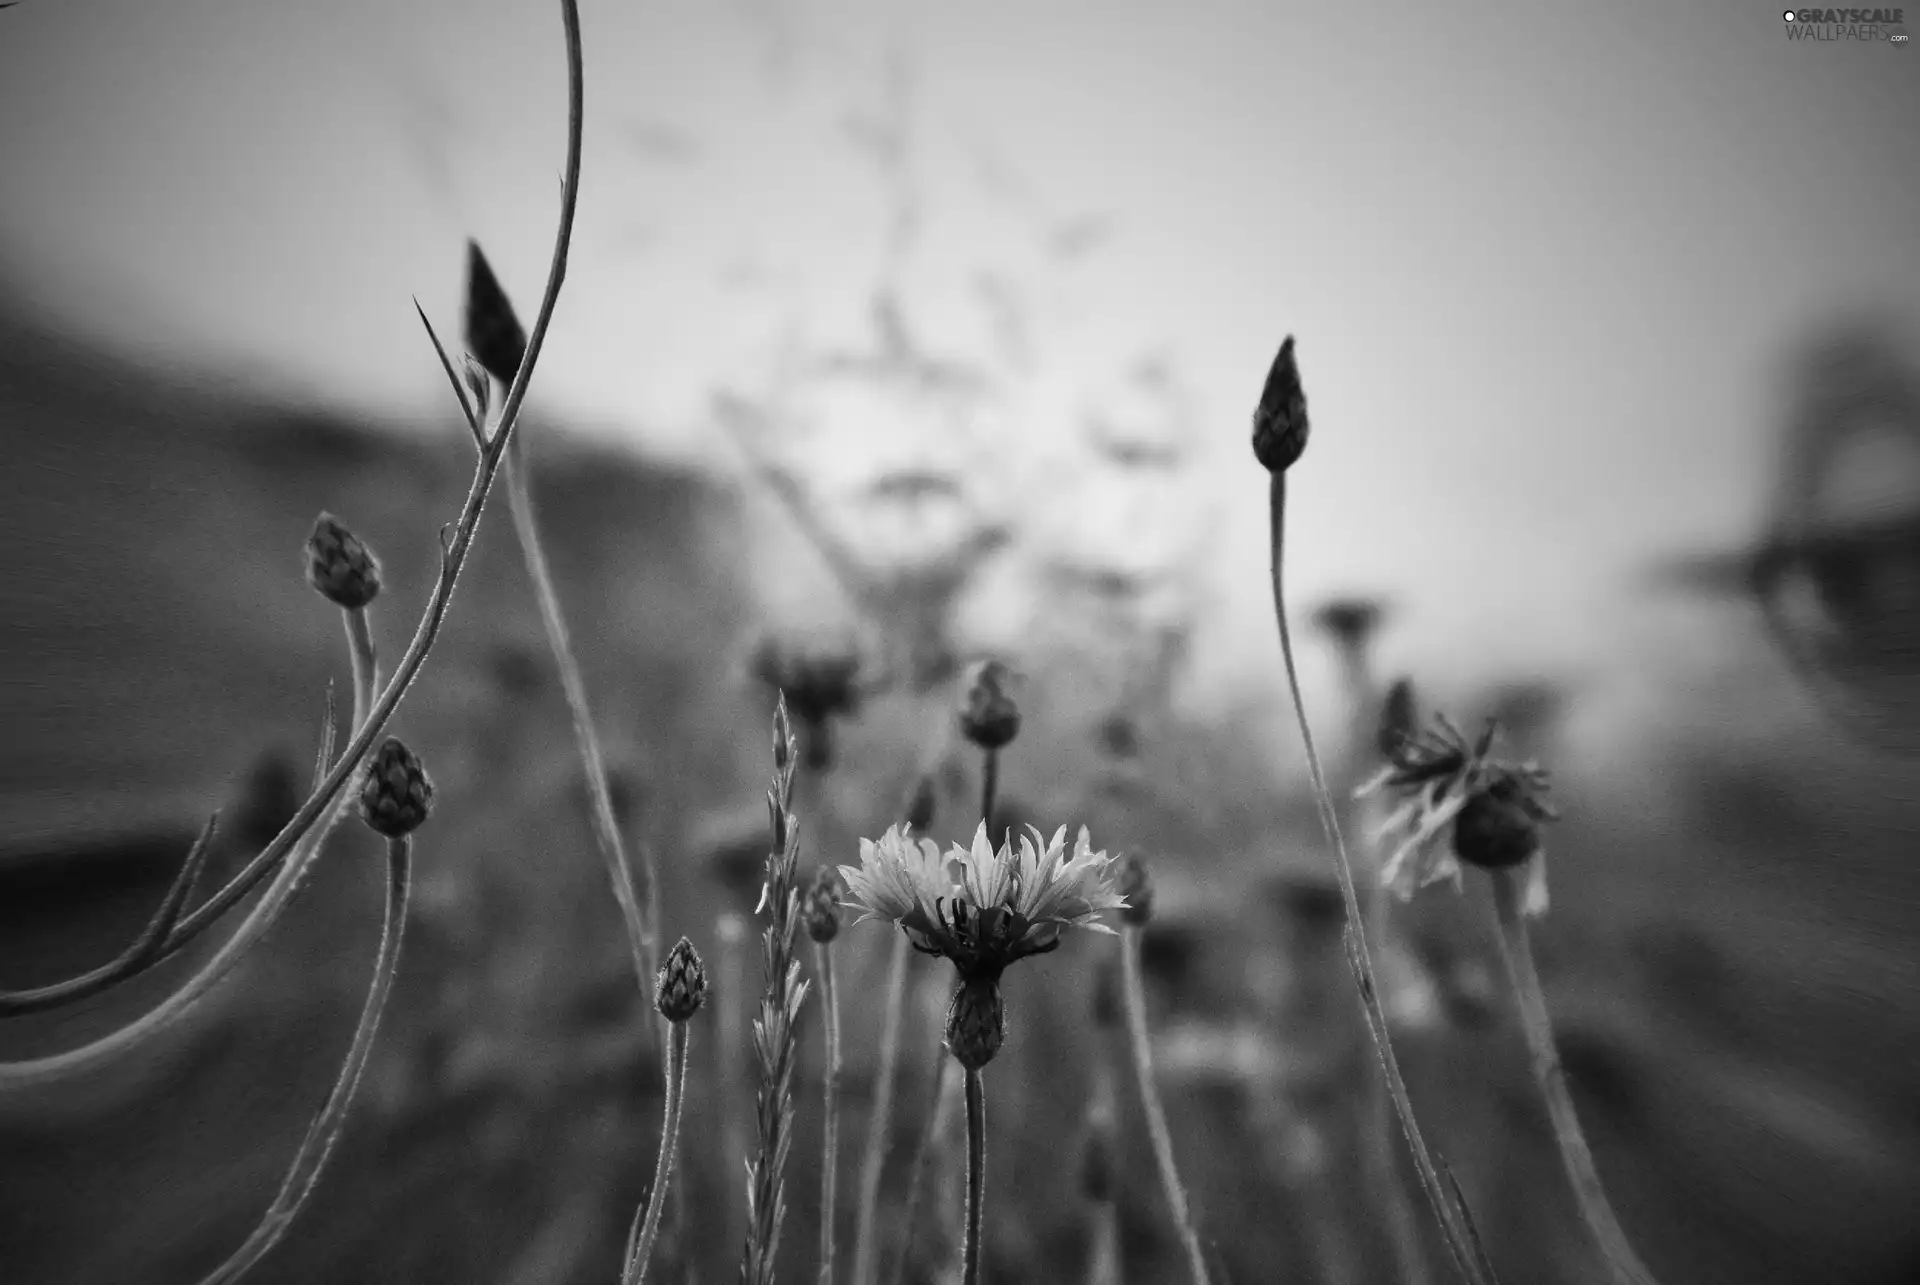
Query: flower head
x=982, y=907
x=1489, y=811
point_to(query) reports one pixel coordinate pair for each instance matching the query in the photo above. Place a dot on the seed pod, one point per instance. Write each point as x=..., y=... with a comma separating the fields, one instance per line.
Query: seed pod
x=1495, y=830
x=341, y=568
x=395, y=795
x=976, y=1022
x=494, y=336
x=681, y=987
x=989, y=718
x=1280, y=421
x=1134, y=884
x=821, y=910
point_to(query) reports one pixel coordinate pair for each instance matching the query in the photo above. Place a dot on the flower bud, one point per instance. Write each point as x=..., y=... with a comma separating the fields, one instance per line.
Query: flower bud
x=1133, y=883
x=681, y=987
x=494, y=336
x=395, y=795
x=821, y=910
x=1280, y=421
x=1495, y=830
x=989, y=718
x=976, y=1022
x=920, y=810
x=341, y=568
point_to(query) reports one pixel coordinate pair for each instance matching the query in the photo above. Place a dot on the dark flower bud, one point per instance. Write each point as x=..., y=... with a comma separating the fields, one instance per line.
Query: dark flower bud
x=1399, y=717
x=1496, y=830
x=920, y=810
x=395, y=795
x=976, y=1022
x=494, y=336
x=341, y=568
x=1134, y=884
x=1280, y=421
x=681, y=987
x=821, y=910
x=989, y=718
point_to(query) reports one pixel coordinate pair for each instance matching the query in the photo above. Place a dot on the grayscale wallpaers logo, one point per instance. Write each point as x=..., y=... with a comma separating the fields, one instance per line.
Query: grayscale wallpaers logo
x=1847, y=24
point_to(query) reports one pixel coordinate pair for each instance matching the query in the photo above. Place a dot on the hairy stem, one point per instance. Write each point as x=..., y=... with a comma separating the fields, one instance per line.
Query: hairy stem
x=976, y=1173
x=1462, y=1239
x=303, y=1175
x=606, y=829
x=366, y=662
x=830, y=1110
x=1157, y=1132
x=1509, y=891
x=646, y=1227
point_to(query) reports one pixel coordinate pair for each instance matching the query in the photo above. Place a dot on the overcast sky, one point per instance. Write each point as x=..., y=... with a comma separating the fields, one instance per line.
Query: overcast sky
x=1542, y=260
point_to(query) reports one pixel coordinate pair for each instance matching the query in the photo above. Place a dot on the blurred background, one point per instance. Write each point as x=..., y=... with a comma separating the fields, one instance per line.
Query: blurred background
x=932, y=334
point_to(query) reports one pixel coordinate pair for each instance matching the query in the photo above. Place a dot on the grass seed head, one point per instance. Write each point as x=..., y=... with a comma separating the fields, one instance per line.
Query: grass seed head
x=681, y=987
x=396, y=796
x=494, y=335
x=340, y=567
x=1280, y=420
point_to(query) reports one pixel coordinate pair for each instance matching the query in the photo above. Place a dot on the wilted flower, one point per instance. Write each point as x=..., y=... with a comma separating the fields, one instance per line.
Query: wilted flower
x=340, y=567
x=983, y=908
x=1489, y=811
x=395, y=795
x=681, y=987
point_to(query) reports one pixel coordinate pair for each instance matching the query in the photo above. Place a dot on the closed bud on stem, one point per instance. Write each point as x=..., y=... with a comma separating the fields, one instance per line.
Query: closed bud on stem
x=1133, y=883
x=989, y=718
x=920, y=810
x=341, y=568
x=821, y=911
x=494, y=336
x=782, y=739
x=681, y=987
x=976, y=1022
x=1280, y=421
x=1495, y=830
x=395, y=795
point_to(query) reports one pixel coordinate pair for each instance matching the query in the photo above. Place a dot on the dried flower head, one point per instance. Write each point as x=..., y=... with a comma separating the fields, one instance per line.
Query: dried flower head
x=1489, y=811
x=1134, y=884
x=1280, y=420
x=820, y=911
x=395, y=794
x=976, y=1022
x=681, y=987
x=983, y=908
x=341, y=568
x=988, y=716
x=494, y=335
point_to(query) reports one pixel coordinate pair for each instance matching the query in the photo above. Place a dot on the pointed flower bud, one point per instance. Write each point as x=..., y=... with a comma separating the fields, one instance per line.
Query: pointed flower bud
x=821, y=910
x=494, y=336
x=341, y=568
x=1280, y=421
x=989, y=718
x=976, y=1022
x=395, y=795
x=681, y=987
x=1133, y=883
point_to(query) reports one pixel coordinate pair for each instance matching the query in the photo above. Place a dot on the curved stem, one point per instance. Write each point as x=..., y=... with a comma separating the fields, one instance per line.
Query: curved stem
x=1457, y=1224
x=366, y=662
x=1157, y=1132
x=976, y=1173
x=1508, y=897
x=830, y=1108
x=646, y=1227
x=315, y=809
x=606, y=829
x=303, y=1175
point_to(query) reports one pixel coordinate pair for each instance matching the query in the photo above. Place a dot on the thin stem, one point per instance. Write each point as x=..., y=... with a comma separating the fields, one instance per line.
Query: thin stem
x=1157, y=1132
x=976, y=1172
x=830, y=1110
x=316, y=808
x=1378, y=1158
x=647, y=1219
x=945, y=1081
x=303, y=1175
x=365, y=660
x=1462, y=1239
x=606, y=829
x=989, y=789
x=1509, y=891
